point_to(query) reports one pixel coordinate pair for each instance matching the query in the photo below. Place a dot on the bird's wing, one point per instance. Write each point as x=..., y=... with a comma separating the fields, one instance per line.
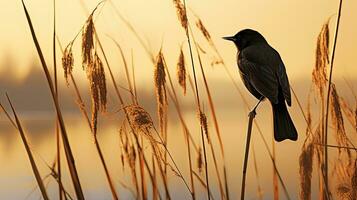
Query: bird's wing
x=284, y=82
x=249, y=86
x=260, y=76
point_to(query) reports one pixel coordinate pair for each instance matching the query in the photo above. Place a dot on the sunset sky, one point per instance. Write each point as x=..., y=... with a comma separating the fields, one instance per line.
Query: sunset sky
x=290, y=26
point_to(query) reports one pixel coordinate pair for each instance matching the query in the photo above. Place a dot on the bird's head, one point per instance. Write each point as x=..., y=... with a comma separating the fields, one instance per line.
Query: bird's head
x=245, y=38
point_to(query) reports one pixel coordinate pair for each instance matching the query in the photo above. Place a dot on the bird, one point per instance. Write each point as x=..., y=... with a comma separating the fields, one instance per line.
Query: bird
x=264, y=75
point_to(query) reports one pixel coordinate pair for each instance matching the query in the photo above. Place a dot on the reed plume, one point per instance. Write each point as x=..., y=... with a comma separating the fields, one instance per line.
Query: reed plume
x=88, y=42
x=204, y=124
x=160, y=88
x=204, y=31
x=337, y=119
x=319, y=76
x=139, y=119
x=349, y=112
x=202, y=28
x=200, y=160
x=181, y=13
x=98, y=89
x=305, y=171
x=181, y=71
x=67, y=62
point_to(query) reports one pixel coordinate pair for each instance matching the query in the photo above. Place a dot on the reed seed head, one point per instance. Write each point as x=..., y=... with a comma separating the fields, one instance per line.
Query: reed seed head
x=199, y=160
x=349, y=112
x=305, y=171
x=181, y=71
x=204, y=125
x=160, y=88
x=139, y=119
x=319, y=76
x=98, y=89
x=337, y=119
x=203, y=30
x=181, y=13
x=87, y=41
x=132, y=156
x=67, y=62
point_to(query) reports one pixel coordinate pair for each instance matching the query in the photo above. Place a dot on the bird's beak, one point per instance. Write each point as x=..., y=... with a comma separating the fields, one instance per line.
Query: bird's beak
x=230, y=38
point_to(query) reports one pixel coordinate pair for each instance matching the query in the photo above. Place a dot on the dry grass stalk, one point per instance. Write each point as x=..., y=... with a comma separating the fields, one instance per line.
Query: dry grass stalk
x=216, y=60
x=354, y=181
x=131, y=89
x=154, y=189
x=161, y=163
x=130, y=156
x=181, y=71
x=305, y=171
x=210, y=99
x=355, y=118
x=143, y=162
x=66, y=145
x=81, y=106
x=186, y=131
x=184, y=14
x=308, y=115
x=67, y=62
x=29, y=153
x=8, y=116
x=343, y=170
x=328, y=95
x=275, y=177
x=260, y=191
x=181, y=13
x=57, y=178
x=337, y=119
x=215, y=122
x=319, y=76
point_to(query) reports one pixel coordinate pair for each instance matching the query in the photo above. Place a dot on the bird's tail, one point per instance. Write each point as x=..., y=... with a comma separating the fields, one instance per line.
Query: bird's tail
x=283, y=125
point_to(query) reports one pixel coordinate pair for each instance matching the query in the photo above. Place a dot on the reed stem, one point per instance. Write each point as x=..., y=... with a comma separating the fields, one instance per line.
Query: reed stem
x=247, y=144
x=328, y=94
x=199, y=107
x=66, y=145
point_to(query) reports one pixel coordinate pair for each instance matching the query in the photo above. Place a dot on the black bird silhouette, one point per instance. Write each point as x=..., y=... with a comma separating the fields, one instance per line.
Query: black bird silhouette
x=263, y=74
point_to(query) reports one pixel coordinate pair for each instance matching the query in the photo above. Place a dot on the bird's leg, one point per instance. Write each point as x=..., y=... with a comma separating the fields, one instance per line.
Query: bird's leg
x=252, y=112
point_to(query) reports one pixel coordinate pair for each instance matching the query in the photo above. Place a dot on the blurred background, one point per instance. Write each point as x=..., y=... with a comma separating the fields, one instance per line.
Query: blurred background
x=291, y=27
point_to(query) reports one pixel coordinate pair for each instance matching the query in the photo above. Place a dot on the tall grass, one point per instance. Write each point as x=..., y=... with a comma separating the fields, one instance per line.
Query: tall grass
x=34, y=167
x=144, y=147
x=67, y=148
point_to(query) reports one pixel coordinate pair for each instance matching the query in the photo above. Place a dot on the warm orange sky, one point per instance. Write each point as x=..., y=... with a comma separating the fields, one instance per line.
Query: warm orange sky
x=290, y=26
